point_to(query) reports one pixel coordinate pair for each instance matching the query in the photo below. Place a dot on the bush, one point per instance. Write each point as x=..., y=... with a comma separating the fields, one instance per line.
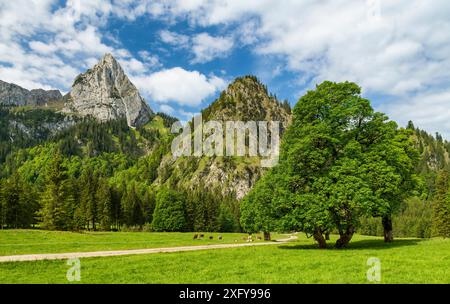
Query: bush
x=169, y=214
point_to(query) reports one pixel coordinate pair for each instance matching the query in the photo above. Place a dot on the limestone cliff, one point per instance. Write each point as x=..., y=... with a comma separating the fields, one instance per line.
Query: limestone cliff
x=105, y=93
x=14, y=95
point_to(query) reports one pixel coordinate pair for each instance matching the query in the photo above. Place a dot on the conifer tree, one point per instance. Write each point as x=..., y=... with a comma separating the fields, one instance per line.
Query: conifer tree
x=53, y=214
x=441, y=206
x=11, y=202
x=103, y=199
x=2, y=202
x=88, y=184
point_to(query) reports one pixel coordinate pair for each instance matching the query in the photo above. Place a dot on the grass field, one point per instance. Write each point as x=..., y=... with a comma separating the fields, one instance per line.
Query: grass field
x=13, y=242
x=404, y=261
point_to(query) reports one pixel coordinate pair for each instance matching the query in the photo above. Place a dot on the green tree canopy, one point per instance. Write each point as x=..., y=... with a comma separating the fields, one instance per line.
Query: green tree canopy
x=339, y=160
x=169, y=214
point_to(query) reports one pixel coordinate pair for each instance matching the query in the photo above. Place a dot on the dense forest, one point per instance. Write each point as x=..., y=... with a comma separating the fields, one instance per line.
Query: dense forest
x=98, y=176
x=346, y=168
x=69, y=173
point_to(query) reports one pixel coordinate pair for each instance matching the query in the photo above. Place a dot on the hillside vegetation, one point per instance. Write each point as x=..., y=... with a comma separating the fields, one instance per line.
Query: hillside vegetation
x=66, y=172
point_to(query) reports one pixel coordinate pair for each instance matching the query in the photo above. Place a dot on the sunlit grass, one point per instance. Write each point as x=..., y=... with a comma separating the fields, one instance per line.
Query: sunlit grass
x=14, y=242
x=404, y=261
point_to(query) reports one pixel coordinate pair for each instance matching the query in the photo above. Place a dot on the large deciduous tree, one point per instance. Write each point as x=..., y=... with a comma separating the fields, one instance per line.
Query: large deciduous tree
x=339, y=160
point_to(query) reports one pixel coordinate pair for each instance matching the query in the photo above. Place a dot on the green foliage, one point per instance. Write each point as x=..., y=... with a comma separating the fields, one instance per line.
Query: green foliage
x=441, y=206
x=339, y=160
x=91, y=138
x=434, y=156
x=257, y=208
x=24, y=128
x=167, y=119
x=412, y=220
x=18, y=205
x=169, y=214
x=53, y=214
x=107, y=171
x=226, y=219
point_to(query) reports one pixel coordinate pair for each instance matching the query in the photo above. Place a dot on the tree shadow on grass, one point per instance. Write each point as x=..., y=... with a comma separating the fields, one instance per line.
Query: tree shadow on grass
x=360, y=245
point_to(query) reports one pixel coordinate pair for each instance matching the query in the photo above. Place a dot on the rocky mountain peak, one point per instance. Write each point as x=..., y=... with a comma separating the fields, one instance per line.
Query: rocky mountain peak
x=106, y=93
x=14, y=95
x=245, y=99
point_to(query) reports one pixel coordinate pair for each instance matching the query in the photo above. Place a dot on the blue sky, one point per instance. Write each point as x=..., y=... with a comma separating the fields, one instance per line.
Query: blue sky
x=181, y=54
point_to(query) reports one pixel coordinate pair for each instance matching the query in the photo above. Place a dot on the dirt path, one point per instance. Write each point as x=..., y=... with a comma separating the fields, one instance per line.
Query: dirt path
x=72, y=255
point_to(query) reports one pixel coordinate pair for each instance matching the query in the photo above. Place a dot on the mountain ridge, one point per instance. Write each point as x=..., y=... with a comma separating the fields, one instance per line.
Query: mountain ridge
x=14, y=95
x=245, y=99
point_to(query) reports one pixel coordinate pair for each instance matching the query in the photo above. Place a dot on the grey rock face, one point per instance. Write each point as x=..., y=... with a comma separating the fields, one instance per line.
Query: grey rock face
x=14, y=95
x=246, y=99
x=106, y=93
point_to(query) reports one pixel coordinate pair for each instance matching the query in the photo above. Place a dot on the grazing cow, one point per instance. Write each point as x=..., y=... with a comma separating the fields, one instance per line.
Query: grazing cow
x=249, y=239
x=201, y=236
x=220, y=237
x=259, y=238
x=211, y=237
x=195, y=236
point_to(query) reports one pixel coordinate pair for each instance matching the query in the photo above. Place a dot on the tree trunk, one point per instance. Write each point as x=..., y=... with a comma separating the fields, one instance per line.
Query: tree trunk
x=345, y=237
x=320, y=239
x=387, y=226
x=266, y=236
x=327, y=236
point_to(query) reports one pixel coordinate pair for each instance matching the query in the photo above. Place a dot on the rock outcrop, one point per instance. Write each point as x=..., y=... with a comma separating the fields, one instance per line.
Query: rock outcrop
x=245, y=99
x=105, y=93
x=14, y=95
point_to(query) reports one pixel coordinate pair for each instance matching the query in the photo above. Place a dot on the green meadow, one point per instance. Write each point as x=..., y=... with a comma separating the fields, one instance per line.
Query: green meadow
x=299, y=261
x=14, y=242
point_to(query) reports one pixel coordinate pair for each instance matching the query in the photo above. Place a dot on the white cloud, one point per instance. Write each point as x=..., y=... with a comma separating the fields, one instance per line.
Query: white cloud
x=178, y=85
x=174, y=39
x=68, y=38
x=397, y=48
x=151, y=60
x=340, y=39
x=206, y=47
x=203, y=46
x=166, y=109
x=429, y=111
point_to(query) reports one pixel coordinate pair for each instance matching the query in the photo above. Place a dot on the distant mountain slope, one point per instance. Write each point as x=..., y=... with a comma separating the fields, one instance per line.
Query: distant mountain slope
x=245, y=99
x=434, y=156
x=14, y=95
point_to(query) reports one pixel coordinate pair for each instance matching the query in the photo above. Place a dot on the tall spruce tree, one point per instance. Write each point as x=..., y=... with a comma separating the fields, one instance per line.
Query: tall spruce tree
x=2, y=203
x=88, y=202
x=104, y=203
x=53, y=213
x=441, y=206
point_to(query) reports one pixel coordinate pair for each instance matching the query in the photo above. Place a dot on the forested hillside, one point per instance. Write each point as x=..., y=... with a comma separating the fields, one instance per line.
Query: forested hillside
x=88, y=174
x=67, y=172
x=415, y=216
